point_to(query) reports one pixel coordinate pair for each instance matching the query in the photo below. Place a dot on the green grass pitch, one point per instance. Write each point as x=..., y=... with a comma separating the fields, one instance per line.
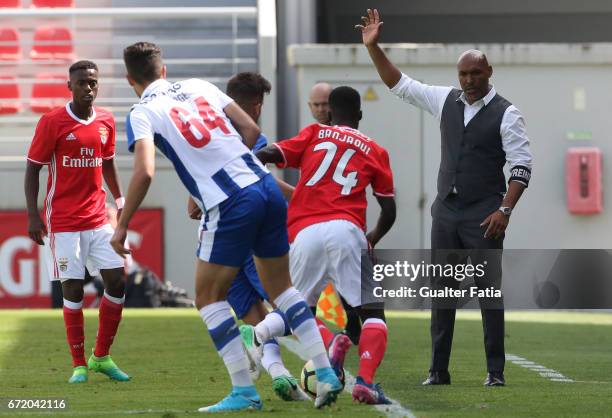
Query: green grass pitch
x=175, y=369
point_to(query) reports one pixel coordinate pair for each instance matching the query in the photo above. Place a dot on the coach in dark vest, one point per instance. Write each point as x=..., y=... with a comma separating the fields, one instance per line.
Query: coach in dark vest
x=480, y=132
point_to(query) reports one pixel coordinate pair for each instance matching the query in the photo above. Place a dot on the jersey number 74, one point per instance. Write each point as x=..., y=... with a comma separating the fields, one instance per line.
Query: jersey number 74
x=347, y=181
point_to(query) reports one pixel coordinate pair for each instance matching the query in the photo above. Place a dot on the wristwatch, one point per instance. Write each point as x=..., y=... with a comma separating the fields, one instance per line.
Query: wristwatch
x=506, y=210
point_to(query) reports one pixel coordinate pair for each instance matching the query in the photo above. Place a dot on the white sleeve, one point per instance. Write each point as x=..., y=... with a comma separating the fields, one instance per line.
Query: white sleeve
x=428, y=98
x=222, y=99
x=141, y=125
x=515, y=143
x=138, y=127
x=514, y=138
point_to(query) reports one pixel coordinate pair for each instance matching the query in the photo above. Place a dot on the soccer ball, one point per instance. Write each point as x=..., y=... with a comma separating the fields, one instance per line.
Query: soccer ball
x=308, y=379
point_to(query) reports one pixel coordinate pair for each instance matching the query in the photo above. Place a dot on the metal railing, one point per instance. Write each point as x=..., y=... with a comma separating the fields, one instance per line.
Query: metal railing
x=115, y=94
x=132, y=12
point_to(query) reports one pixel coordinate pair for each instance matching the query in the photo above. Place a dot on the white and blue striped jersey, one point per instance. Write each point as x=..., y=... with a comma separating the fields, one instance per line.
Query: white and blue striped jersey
x=187, y=123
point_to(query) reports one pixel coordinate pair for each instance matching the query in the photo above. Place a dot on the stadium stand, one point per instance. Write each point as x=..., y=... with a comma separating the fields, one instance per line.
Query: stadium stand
x=10, y=3
x=52, y=42
x=9, y=95
x=49, y=92
x=53, y=3
x=200, y=38
x=10, y=48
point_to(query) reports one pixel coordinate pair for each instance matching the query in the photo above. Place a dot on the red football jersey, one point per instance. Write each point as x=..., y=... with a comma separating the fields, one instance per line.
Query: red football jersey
x=336, y=165
x=74, y=150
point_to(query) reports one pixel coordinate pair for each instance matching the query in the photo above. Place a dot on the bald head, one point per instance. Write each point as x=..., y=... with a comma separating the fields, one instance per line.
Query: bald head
x=473, y=55
x=474, y=73
x=318, y=102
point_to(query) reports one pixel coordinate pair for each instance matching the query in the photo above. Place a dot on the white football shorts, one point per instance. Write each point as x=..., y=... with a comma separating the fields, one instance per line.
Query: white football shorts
x=328, y=252
x=68, y=253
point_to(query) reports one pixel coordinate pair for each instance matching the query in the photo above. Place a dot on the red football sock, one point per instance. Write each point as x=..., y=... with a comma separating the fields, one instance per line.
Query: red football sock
x=73, y=321
x=109, y=318
x=326, y=334
x=372, y=347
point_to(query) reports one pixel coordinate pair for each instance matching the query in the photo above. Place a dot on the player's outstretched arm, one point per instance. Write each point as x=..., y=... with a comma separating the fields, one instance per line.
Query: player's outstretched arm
x=243, y=123
x=144, y=169
x=36, y=227
x=385, y=220
x=269, y=154
x=370, y=32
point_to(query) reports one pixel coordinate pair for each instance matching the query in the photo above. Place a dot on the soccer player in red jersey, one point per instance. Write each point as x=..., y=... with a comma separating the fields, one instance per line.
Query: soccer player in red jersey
x=326, y=222
x=77, y=143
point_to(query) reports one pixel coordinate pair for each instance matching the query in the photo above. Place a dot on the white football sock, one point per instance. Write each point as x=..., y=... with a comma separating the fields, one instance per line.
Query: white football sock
x=303, y=325
x=272, y=361
x=224, y=333
x=273, y=325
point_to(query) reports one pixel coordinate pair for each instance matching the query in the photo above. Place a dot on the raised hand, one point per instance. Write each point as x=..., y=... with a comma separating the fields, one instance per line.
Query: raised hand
x=370, y=27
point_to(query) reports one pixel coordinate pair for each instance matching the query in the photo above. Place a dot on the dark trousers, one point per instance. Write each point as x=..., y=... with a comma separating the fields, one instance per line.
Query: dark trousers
x=456, y=225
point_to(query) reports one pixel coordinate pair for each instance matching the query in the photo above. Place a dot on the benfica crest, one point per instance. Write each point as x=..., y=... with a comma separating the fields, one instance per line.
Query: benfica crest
x=63, y=264
x=103, y=130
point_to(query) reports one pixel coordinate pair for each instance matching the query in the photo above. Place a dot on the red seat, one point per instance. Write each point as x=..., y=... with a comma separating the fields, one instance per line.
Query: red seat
x=10, y=3
x=49, y=92
x=10, y=50
x=52, y=3
x=9, y=95
x=52, y=42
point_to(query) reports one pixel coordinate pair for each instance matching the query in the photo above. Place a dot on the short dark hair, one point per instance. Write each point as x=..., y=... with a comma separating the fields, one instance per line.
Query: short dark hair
x=82, y=65
x=345, y=102
x=248, y=87
x=143, y=61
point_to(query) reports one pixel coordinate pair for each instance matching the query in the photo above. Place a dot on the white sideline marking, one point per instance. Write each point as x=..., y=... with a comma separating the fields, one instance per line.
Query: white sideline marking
x=395, y=410
x=550, y=374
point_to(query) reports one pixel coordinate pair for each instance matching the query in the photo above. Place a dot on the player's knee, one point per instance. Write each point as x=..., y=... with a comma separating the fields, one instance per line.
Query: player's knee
x=113, y=282
x=116, y=289
x=207, y=295
x=72, y=290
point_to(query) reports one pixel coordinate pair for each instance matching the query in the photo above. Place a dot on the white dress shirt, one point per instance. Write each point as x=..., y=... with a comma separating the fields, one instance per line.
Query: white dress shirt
x=515, y=142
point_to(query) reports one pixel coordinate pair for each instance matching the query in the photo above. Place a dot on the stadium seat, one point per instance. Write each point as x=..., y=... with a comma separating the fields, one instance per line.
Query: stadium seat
x=49, y=92
x=10, y=3
x=52, y=42
x=10, y=50
x=9, y=95
x=52, y=3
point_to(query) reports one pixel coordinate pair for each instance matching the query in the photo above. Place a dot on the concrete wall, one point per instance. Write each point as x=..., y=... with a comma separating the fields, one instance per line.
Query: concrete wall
x=561, y=90
x=470, y=21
